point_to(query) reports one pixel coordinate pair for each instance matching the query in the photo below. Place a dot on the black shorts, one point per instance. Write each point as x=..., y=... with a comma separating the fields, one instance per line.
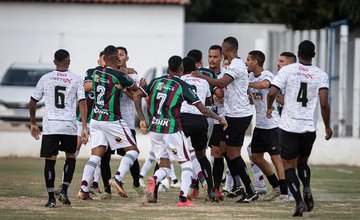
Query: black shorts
x=266, y=140
x=51, y=144
x=195, y=127
x=294, y=144
x=121, y=151
x=216, y=135
x=235, y=133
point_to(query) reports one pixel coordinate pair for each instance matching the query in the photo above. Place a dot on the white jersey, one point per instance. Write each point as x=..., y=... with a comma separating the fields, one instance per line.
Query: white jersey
x=301, y=84
x=236, y=101
x=61, y=92
x=260, y=102
x=202, y=91
x=220, y=106
x=127, y=107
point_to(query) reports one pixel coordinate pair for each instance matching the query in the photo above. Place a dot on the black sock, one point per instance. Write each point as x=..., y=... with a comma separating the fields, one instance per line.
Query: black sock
x=156, y=167
x=239, y=168
x=156, y=191
x=69, y=168
x=135, y=173
x=49, y=175
x=218, y=170
x=283, y=187
x=206, y=168
x=273, y=180
x=304, y=174
x=293, y=184
x=106, y=171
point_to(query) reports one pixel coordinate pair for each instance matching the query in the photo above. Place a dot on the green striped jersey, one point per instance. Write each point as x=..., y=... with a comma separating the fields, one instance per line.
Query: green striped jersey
x=89, y=97
x=210, y=73
x=107, y=95
x=166, y=94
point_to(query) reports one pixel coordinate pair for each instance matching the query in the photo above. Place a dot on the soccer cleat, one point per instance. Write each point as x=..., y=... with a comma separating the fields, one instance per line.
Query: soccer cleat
x=187, y=203
x=299, y=210
x=150, y=190
x=94, y=190
x=139, y=190
x=219, y=195
x=105, y=196
x=51, y=203
x=261, y=190
x=118, y=185
x=226, y=189
x=141, y=181
x=176, y=184
x=308, y=199
x=236, y=191
x=195, y=193
x=58, y=190
x=163, y=188
x=272, y=195
x=84, y=195
x=64, y=198
x=211, y=197
x=282, y=198
x=248, y=198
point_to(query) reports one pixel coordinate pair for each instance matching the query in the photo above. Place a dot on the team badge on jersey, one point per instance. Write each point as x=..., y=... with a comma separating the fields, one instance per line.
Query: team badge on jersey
x=117, y=139
x=174, y=150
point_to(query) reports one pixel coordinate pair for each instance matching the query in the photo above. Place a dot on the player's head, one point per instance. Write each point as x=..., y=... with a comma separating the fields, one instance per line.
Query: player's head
x=62, y=58
x=215, y=56
x=111, y=56
x=255, y=59
x=123, y=56
x=286, y=58
x=306, y=50
x=230, y=44
x=175, y=65
x=101, y=61
x=197, y=56
x=189, y=64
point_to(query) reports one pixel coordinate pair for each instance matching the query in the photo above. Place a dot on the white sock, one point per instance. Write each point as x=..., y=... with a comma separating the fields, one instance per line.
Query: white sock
x=126, y=162
x=229, y=181
x=186, y=174
x=89, y=171
x=161, y=174
x=148, y=164
x=172, y=172
x=258, y=174
x=195, y=164
x=97, y=173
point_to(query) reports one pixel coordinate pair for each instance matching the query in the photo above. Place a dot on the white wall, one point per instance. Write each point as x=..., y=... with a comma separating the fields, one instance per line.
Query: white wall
x=34, y=31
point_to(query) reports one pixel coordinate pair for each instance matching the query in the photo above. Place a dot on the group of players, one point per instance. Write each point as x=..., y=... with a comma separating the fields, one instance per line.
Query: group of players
x=189, y=109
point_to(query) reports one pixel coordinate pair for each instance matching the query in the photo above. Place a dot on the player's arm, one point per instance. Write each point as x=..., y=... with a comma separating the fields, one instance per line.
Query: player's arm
x=219, y=92
x=34, y=129
x=208, y=113
x=280, y=98
x=221, y=83
x=83, y=113
x=137, y=101
x=264, y=84
x=88, y=86
x=325, y=112
x=270, y=100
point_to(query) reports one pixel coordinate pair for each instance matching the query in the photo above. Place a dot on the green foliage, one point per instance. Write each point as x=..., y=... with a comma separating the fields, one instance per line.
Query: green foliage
x=298, y=14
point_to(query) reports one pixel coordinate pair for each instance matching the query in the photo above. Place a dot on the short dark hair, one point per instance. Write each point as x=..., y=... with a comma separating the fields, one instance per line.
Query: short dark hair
x=232, y=42
x=101, y=54
x=174, y=63
x=258, y=56
x=216, y=47
x=124, y=49
x=110, y=50
x=289, y=55
x=61, y=55
x=195, y=54
x=306, y=49
x=189, y=64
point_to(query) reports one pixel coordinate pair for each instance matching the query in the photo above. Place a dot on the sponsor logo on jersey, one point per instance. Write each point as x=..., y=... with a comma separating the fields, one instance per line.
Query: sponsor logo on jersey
x=174, y=151
x=101, y=111
x=160, y=121
x=98, y=79
x=306, y=75
x=60, y=79
x=161, y=86
x=117, y=139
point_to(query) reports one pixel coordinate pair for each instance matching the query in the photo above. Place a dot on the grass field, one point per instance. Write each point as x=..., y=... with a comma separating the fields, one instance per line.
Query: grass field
x=23, y=195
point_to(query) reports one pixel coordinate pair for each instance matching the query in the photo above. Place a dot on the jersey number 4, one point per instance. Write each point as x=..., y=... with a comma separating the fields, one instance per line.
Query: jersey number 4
x=60, y=96
x=302, y=95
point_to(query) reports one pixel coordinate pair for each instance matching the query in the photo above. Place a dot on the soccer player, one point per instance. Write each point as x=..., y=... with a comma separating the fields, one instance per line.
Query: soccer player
x=266, y=133
x=107, y=126
x=238, y=113
x=303, y=84
x=62, y=91
x=168, y=142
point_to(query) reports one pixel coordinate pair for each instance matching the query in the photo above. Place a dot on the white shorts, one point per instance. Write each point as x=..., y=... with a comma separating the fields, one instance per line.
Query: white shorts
x=173, y=146
x=79, y=128
x=115, y=134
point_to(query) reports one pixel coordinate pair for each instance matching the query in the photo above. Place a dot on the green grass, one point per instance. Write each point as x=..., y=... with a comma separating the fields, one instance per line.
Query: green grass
x=23, y=195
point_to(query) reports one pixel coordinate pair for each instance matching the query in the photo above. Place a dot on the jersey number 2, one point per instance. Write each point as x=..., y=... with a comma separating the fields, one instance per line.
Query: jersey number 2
x=60, y=96
x=302, y=95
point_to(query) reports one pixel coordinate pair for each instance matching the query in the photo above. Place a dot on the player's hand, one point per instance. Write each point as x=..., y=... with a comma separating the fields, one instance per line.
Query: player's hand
x=131, y=70
x=142, y=82
x=119, y=86
x=329, y=133
x=224, y=123
x=196, y=73
x=269, y=113
x=218, y=100
x=143, y=127
x=35, y=131
x=84, y=135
